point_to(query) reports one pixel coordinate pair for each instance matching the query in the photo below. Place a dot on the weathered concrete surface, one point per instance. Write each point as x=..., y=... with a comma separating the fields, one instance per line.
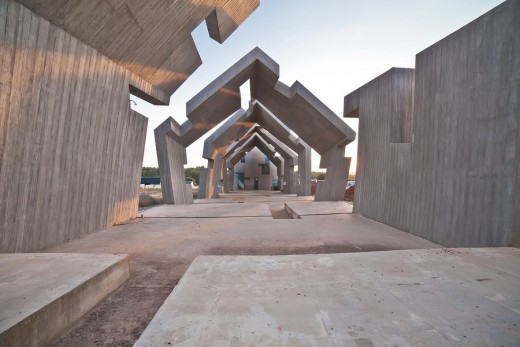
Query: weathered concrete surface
x=172, y=156
x=300, y=209
x=439, y=150
x=153, y=40
x=43, y=294
x=161, y=249
x=384, y=161
x=295, y=106
x=209, y=211
x=416, y=297
x=71, y=149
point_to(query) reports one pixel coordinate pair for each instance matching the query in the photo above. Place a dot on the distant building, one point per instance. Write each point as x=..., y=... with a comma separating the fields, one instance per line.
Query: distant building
x=255, y=172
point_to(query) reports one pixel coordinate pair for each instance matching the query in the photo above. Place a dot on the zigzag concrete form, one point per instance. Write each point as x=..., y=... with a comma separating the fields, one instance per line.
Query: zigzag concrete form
x=439, y=147
x=295, y=106
x=286, y=173
x=237, y=126
x=211, y=176
x=152, y=39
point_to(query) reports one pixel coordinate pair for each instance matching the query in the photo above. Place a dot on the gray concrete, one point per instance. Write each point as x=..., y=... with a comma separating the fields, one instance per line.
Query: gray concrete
x=295, y=106
x=161, y=249
x=215, y=210
x=152, y=40
x=404, y=298
x=239, y=127
x=299, y=209
x=71, y=149
x=439, y=151
x=41, y=295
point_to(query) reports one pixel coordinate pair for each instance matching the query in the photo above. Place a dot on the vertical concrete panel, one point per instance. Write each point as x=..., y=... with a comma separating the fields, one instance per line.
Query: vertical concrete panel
x=71, y=149
x=457, y=182
x=383, y=167
x=466, y=133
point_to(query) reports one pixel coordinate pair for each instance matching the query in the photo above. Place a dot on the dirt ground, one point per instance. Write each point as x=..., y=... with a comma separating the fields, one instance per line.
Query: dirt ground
x=161, y=249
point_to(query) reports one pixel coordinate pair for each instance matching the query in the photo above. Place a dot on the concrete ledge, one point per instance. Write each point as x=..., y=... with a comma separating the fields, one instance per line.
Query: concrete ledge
x=41, y=294
x=213, y=210
x=299, y=209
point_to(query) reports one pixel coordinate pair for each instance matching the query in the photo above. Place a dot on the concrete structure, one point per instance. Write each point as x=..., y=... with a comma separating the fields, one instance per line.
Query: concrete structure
x=41, y=295
x=397, y=298
x=439, y=150
x=295, y=106
x=71, y=148
x=152, y=41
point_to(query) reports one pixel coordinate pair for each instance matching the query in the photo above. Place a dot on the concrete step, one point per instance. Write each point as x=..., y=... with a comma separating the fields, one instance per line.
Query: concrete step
x=41, y=294
x=432, y=297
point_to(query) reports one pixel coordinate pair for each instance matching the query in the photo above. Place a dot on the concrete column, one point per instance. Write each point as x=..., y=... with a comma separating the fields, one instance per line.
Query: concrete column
x=288, y=176
x=279, y=173
x=213, y=176
x=171, y=156
x=304, y=172
x=203, y=184
x=226, y=183
x=333, y=187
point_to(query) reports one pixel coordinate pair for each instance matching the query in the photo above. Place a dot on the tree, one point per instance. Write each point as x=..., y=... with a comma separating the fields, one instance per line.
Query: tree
x=150, y=172
x=193, y=172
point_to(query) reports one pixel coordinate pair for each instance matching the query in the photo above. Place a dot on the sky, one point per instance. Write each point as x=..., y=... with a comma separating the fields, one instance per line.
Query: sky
x=332, y=47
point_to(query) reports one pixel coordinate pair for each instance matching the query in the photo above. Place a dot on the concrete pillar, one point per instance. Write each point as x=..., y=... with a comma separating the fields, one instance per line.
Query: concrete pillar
x=203, y=184
x=304, y=172
x=333, y=187
x=279, y=173
x=227, y=184
x=214, y=172
x=171, y=156
x=288, y=169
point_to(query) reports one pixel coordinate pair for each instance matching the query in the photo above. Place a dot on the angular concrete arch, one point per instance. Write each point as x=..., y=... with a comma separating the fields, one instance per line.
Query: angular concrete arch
x=151, y=39
x=295, y=106
x=288, y=155
x=210, y=177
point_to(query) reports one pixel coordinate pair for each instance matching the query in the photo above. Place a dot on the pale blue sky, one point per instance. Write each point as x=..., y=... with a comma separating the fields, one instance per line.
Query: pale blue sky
x=331, y=46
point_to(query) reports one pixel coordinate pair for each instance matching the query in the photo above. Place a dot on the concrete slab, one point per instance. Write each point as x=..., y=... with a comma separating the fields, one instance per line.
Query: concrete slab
x=300, y=209
x=217, y=210
x=41, y=294
x=436, y=297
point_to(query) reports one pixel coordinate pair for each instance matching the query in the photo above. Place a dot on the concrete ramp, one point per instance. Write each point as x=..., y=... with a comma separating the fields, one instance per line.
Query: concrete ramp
x=215, y=210
x=437, y=297
x=299, y=209
x=41, y=294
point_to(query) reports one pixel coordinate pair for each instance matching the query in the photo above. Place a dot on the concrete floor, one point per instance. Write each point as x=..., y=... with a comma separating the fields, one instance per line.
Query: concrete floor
x=161, y=249
x=437, y=297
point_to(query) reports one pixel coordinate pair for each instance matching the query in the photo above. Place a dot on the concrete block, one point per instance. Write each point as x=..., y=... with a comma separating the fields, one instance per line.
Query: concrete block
x=41, y=294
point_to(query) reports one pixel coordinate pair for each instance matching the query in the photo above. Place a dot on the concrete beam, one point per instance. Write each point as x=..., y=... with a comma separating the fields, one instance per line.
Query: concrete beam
x=152, y=40
x=296, y=107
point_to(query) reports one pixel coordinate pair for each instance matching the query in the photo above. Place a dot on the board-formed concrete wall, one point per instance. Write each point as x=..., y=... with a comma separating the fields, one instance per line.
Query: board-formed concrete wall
x=450, y=172
x=70, y=146
x=71, y=149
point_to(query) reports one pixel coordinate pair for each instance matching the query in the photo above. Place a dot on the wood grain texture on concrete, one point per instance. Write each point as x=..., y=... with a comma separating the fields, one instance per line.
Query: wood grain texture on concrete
x=439, y=147
x=151, y=39
x=70, y=146
x=41, y=295
x=404, y=298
